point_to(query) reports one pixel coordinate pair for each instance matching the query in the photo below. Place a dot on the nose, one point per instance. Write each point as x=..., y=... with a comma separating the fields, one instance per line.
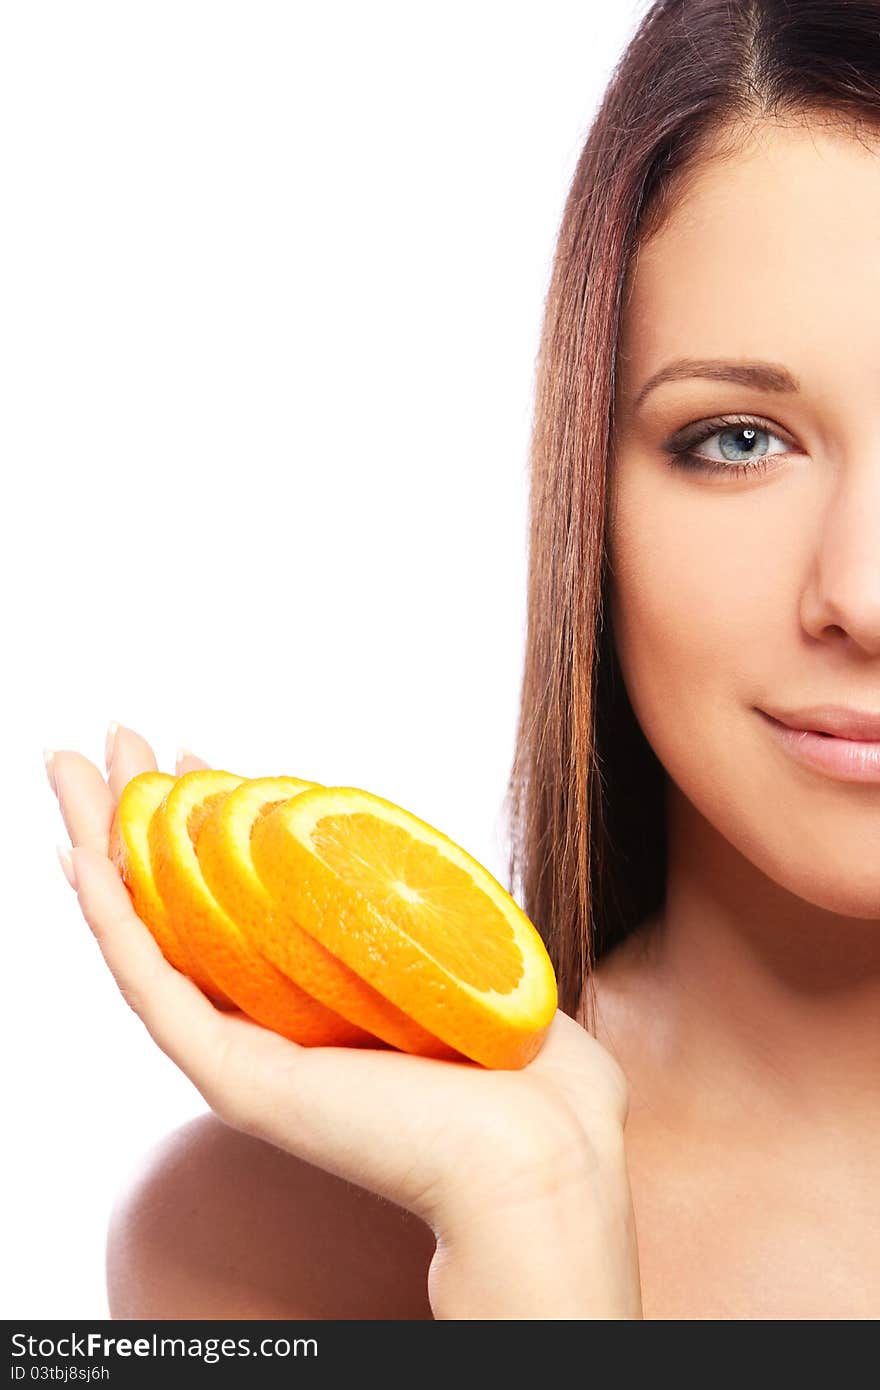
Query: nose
x=842, y=600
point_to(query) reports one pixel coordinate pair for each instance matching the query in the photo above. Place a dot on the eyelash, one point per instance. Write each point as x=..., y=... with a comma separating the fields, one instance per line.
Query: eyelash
x=682, y=457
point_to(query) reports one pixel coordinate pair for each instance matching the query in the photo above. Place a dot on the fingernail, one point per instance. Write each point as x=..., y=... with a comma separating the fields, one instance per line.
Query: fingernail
x=181, y=754
x=49, y=760
x=65, y=859
x=110, y=743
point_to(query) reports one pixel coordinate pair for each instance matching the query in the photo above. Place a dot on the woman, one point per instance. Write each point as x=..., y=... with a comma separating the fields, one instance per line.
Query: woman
x=699, y=1136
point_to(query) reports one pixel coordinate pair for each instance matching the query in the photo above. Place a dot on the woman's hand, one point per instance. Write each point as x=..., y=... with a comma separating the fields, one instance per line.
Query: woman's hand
x=479, y=1155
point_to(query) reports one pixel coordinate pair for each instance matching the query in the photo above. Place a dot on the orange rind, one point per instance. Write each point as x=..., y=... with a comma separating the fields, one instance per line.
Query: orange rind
x=130, y=852
x=333, y=916
x=413, y=914
x=224, y=856
x=216, y=939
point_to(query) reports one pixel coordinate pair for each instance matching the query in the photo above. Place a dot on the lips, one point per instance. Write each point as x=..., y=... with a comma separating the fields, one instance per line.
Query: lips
x=835, y=754
x=837, y=720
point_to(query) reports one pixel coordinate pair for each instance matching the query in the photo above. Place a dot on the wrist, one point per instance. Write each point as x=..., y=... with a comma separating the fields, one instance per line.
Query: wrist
x=565, y=1250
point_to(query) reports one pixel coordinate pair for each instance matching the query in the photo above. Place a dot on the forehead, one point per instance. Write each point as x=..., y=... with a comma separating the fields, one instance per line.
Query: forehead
x=765, y=250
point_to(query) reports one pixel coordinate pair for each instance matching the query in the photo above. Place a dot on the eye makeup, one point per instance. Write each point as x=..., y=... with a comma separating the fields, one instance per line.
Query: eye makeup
x=679, y=446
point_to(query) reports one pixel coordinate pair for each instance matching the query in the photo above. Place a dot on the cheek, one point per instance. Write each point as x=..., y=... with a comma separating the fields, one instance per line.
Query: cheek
x=704, y=598
x=696, y=597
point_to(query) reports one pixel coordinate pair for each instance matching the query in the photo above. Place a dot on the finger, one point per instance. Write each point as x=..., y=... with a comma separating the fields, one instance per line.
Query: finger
x=188, y=762
x=129, y=755
x=84, y=799
x=179, y=1017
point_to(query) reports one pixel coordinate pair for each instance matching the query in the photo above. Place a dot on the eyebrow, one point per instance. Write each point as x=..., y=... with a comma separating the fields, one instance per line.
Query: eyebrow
x=764, y=376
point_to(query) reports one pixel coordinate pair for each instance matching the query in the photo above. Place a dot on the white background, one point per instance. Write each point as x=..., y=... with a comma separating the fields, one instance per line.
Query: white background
x=272, y=278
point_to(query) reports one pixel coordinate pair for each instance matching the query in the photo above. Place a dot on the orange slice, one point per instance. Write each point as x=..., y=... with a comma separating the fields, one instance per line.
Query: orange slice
x=130, y=852
x=213, y=937
x=223, y=850
x=409, y=912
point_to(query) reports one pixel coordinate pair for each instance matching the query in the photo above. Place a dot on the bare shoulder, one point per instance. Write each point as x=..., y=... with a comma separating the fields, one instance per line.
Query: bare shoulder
x=218, y=1224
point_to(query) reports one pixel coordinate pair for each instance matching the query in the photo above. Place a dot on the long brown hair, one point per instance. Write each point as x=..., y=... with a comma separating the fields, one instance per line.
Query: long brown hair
x=586, y=796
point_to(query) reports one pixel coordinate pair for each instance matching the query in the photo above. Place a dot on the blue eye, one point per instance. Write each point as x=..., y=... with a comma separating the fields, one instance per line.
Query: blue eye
x=742, y=442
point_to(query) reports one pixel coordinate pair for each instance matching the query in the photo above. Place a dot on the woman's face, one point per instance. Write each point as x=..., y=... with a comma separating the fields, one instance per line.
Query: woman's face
x=736, y=591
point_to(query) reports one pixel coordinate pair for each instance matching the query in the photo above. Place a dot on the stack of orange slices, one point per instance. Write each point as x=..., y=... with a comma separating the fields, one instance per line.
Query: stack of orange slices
x=333, y=916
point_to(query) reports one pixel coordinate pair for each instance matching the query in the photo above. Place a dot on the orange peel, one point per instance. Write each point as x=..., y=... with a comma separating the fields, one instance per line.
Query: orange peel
x=333, y=916
x=413, y=914
x=129, y=850
x=216, y=939
x=224, y=856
